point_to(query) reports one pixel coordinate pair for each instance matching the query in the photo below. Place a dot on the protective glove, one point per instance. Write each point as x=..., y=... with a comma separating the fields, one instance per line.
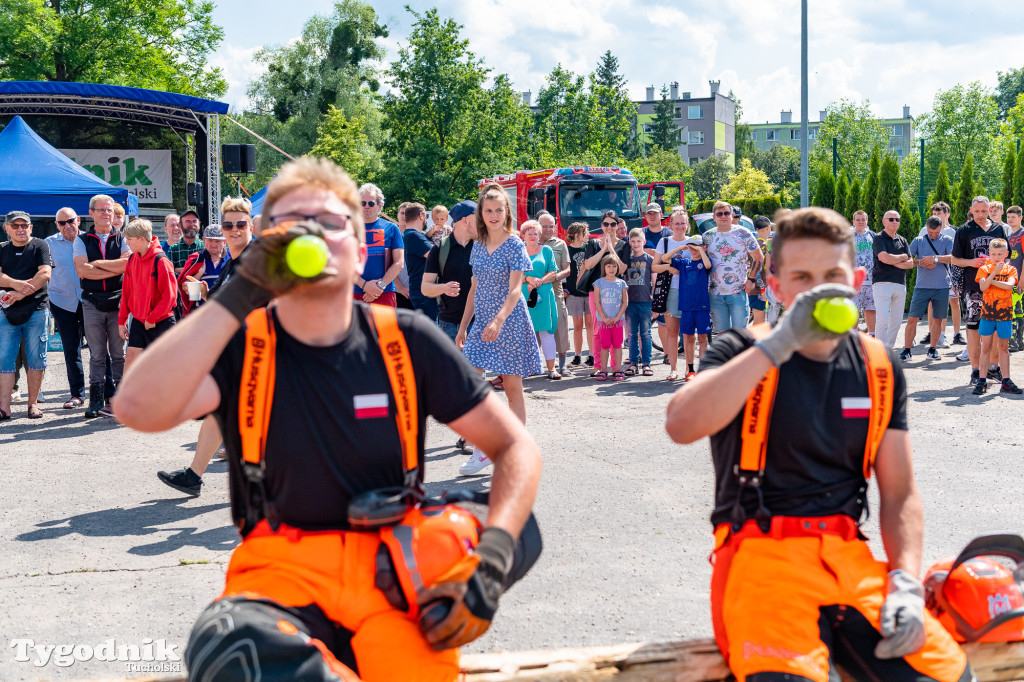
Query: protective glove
x=460, y=606
x=798, y=328
x=264, y=262
x=902, y=617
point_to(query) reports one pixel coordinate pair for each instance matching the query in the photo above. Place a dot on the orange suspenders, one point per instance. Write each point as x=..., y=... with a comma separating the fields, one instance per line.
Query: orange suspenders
x=256, y=397
x=758, y=411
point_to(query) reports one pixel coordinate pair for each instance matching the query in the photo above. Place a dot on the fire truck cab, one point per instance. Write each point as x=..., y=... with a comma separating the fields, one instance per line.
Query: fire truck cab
x=665, y=194
x=579, y=194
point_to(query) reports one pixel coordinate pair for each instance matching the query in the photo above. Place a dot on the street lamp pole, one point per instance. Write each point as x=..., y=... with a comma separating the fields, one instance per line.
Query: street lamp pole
x=803, y=103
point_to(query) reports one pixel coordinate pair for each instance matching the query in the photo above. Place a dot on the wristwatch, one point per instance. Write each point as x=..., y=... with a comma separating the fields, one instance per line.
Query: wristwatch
x=381, y=285
x=752, y=279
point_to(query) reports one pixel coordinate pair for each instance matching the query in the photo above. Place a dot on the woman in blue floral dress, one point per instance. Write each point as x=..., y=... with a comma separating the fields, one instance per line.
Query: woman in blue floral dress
x=501, y=338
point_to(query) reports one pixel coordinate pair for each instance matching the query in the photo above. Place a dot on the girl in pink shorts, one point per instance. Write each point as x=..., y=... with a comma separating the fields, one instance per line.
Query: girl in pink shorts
x=612, y=298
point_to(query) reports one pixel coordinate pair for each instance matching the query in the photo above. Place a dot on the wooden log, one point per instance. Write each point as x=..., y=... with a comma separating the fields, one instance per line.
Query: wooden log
x=689, y=661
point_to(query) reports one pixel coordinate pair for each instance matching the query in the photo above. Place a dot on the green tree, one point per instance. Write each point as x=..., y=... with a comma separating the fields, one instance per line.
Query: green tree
x=857, y=131
x=344, y=142
x=747, y=183
x=1009, y=166
x=853, y=199
x=871, y=188
x=842, y=192
x=890, y=190
x=569, y=125
x=963, y=120
x=710, y=176
x=660, y=165
x=665, y=133
x=781, y=163
x=445, y=130
x=616, y=107
x=965, y=192
x=745, y=146
x=1018, y=183
x=825, y=190
x=160, y=44
x=943, y=192
x=1010, y=87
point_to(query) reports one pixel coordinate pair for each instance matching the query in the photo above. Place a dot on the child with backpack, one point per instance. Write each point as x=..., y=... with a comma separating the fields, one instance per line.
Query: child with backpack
x=149, y=290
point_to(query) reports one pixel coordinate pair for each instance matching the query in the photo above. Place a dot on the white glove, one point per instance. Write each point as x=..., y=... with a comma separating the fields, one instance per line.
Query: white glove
x=902, y=617
x=798, y=328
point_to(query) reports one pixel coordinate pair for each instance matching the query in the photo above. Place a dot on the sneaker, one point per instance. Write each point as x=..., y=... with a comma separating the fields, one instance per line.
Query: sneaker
x=1015, y=346
x=927, y=340
x=980, y=387
x=959, y=340
x=932, y=354
x=590, y=361
x=576, y=361
x=184, y=480
x=16, y=397
x=476, y=463
x=1007, y=386
x=222, y=453
x=664, y=360
x=963, y=357
x=106, y=410
x=690, y=375
x=974, y=377
x=943, y=343
x=905, y=354
x=460, y=444
x=994, y=374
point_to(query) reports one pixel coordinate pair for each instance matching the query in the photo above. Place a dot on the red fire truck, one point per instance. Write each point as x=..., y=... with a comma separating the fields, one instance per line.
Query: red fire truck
x=579, y=194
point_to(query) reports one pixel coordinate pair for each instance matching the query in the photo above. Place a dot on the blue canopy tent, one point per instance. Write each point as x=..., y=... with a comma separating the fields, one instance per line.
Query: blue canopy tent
x=257, y=200
x=40, y=180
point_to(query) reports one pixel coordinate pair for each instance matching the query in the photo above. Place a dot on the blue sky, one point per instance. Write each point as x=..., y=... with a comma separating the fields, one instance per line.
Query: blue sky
x=891, y=52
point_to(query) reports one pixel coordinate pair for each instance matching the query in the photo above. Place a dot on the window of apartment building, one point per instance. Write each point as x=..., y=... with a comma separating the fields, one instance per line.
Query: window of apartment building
x=896, y=130
x=899, y=152
x=693, y=160
x=812, y=133
x=696, y=137
x=695, y=111
x=679, y=112
x=771, y=135
x=753, y=135
x=794, y=133
x=648, y=128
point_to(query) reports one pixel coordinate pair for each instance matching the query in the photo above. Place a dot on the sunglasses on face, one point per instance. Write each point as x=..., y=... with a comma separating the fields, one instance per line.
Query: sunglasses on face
x=329, y=221
x=609, y=224
x=720, y=214
x=241, y=225
x=893, y=220
x=62, y=223
x=371, y=204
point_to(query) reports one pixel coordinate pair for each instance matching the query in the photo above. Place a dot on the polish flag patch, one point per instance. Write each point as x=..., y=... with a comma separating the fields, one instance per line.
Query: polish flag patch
x=370, y=406
x=854, y=408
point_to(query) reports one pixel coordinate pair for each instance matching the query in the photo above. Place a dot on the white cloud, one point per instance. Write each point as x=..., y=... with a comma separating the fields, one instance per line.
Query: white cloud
x=891, y=52
x=239, y=69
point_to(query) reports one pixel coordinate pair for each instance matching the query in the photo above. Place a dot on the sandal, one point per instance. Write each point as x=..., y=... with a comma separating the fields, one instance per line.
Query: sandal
x=553, y=374
x=73, y=403
x=497, y=384
x=632, y=372
x=647, y=371
x=601, y=376
x=618, y=376
x=34, y=412
x=672, y=376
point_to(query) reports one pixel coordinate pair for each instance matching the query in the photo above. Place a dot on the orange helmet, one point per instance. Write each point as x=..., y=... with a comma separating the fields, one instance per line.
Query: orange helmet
x=977, y=598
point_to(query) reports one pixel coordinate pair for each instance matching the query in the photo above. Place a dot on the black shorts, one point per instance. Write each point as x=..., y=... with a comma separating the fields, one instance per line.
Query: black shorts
x=972, y=309
x=140, y=337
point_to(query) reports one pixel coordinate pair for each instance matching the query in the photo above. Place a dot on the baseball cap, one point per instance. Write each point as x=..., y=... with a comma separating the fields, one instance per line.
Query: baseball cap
x=15, y=215
x=737, y=211
x=653, y=207
x=692, y=241
x=461, y=210
x=192, y=211
x=214, y=231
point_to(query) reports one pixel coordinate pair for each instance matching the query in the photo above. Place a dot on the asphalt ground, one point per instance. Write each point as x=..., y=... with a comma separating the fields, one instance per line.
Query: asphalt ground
x=93, y=547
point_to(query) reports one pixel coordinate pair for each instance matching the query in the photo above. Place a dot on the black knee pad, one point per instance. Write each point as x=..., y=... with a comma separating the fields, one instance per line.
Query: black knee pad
x=244, y=640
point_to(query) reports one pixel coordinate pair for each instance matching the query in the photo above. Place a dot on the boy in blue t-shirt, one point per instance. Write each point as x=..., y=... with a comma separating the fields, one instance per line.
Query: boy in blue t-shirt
x=693, y=265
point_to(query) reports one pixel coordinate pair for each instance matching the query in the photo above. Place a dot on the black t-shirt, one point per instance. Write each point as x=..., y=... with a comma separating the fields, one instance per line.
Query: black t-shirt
x=815, y=457
x=23, y=262
x=456, y=269
x=970, y=241
x=229, y=268
x=577, y=254
x=622, y=250
x=319, y=454
x=883, y=272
